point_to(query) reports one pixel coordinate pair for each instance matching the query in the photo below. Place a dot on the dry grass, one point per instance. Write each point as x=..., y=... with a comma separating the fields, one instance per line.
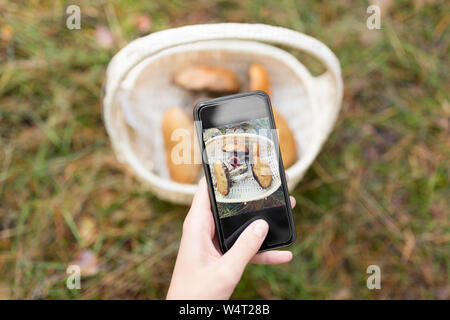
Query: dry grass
x=377, y=194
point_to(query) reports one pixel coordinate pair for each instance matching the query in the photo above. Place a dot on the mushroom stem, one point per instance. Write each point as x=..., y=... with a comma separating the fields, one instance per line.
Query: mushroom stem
x=239, y=170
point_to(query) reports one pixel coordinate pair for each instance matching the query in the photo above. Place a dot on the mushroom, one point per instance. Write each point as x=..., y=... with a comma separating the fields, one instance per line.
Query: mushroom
x=260, y=168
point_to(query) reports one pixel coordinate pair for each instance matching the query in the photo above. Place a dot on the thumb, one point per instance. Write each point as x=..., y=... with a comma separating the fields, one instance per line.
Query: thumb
x=246, y=246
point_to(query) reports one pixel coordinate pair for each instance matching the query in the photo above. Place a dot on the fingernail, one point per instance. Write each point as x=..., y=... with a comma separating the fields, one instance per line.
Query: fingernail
x=260, y=228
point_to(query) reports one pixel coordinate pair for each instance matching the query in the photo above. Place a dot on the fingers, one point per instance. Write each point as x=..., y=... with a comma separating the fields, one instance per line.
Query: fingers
x=200, y=218
x=246, y=246
x=272, y=257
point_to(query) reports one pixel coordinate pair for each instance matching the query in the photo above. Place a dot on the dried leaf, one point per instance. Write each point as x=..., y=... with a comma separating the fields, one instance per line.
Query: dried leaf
x=370, y=37
x=87, y=261
x=104, y=37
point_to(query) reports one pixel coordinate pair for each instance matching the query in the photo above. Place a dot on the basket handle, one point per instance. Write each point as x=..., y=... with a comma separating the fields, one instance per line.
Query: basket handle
x=144, y=47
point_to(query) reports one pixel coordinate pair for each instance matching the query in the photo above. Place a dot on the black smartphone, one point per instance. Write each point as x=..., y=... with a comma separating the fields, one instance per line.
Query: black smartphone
x=243, y=168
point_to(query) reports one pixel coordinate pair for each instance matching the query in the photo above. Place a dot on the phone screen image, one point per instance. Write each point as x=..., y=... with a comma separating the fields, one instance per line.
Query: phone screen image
x=244, y=167
x=243, y=162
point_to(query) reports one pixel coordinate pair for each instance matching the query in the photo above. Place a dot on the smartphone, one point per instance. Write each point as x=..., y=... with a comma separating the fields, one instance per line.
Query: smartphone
x=243, y=168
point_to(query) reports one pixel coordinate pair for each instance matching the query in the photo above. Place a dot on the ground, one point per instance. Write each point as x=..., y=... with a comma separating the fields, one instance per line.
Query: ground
x=378, y=193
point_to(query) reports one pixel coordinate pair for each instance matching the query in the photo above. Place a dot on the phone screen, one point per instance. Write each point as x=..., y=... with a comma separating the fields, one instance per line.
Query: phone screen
x=244, y=168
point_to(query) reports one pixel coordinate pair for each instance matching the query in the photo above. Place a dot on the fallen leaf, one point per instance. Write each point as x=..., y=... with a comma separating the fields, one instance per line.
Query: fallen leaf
x=104, y=37
x=87, y=261
x=6, y=33
x=418, y=4
x=88, y=230
x=143, y=23
x=385, y=6
x=370, y=37
x=427, y=272
x=443, y=293
x=410, y=244
x=5, y=292
x=106, y=197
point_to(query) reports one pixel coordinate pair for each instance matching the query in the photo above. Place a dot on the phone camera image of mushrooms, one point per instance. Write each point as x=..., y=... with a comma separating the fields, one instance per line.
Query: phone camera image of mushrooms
x=260, y=168
x=243, y=167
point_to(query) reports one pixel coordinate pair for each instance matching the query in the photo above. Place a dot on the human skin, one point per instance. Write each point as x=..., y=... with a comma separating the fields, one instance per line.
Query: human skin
x=201, y=270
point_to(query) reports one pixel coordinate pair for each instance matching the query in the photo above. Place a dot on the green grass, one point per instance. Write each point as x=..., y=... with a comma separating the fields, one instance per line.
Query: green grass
x=378, y=193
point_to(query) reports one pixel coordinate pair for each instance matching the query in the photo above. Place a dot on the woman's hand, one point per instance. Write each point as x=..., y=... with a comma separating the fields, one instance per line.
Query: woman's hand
x=201, y=270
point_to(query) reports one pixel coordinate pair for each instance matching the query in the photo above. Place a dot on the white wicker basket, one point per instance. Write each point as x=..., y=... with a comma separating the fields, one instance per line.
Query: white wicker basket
x=139, y=88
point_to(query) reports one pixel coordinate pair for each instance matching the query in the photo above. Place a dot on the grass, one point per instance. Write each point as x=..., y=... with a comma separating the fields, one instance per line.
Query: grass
x=377, y=194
